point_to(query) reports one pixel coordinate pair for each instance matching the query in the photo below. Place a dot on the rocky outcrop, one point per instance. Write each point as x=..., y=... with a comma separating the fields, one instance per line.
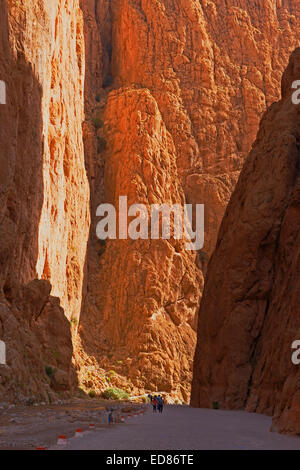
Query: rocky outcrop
x=249, y=315
x=212, y=67
x=44, y=192
x=38, y=345
x=173, y=92
x=206, y=71
x=143, y=314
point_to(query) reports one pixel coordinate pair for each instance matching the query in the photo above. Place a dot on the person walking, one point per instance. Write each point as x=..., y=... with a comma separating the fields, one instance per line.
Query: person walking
x=154, y=404
x=110, y=416
x=160, y=403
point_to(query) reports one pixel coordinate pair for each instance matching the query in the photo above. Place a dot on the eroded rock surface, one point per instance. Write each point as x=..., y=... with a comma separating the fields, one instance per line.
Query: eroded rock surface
x=212, y=67
x=249, y=315
x=203, y=72
x=38, y=346
x=173, y=92
x=44, y=193
x=143, y=294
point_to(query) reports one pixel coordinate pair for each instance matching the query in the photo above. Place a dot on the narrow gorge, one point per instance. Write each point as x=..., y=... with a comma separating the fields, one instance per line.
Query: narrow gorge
x=159, y=101
x=250, y=318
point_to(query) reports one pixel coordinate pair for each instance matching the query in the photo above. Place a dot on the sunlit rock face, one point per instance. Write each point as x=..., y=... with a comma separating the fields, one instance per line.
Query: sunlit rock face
x=142, y=294
x=202, y=72
x=44, y=190
x=170, y=94
x=249, y=315
x=213, y=68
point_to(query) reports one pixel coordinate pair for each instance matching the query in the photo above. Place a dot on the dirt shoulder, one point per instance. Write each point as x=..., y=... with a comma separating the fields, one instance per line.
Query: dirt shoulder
x=28, y=427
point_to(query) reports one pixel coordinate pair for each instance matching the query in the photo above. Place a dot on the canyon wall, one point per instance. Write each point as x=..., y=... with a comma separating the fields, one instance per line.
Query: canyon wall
x=249, y=315
x=213, y=68
x=44, y=193
x=170, y=93
x=204, y=72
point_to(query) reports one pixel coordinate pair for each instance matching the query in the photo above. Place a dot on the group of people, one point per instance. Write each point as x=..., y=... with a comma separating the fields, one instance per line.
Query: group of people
x=157, y=402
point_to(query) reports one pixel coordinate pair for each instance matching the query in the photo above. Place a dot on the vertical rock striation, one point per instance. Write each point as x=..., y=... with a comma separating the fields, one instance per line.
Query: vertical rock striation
x=209, y=69
x=212, y=67
x=173, y=92
x=249, y=315
x=143, y=294
x=44, y=191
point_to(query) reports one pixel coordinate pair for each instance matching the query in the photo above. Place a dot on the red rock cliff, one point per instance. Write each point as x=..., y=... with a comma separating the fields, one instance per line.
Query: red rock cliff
x=43, y=189
x=249, y=314
x=173, y=92
x=197, y=76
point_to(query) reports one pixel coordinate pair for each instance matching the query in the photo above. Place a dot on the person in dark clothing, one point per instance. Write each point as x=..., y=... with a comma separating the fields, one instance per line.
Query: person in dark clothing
x=110, y=416
x=160, y=403
x=154, y=404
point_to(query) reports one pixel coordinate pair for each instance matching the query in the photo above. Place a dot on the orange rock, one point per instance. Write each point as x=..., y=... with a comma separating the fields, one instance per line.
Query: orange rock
x=199, y=75
x=249, y=315
x=149, y=290
x=206, y=71
x=44, y=192
x=38, y=345
x=212, y=67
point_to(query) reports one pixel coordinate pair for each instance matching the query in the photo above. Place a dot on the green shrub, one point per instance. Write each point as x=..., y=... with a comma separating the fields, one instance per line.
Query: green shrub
x=115, y=394
x=215, y=405
x=112, y=373
x=56, y=355
x=29, y=402
x=50, y=372
x=98, y=98
x=92, y=393
x=97, y=122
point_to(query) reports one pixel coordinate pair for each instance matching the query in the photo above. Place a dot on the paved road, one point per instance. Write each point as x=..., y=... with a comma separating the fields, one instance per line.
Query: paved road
x=184, y=428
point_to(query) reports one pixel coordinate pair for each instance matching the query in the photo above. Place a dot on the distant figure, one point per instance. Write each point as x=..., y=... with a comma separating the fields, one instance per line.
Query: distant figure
x=160, y=403
x=154, y=404
x=110, y=416
x=150, y=398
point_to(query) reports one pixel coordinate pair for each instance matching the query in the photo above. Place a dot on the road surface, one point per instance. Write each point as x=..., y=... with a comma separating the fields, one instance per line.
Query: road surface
x=185, y=428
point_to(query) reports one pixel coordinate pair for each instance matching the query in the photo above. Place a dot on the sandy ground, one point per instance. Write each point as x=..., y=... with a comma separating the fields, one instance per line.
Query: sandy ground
x=184, y=428
x=28, y=427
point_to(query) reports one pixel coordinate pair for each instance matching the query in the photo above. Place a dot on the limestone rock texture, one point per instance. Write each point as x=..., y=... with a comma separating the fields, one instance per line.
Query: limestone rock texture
x=158, y=101
x=149, y=288
x=201, y=73
x=213, y=67
x=44, y=191
x=38, y=347
x=249, y=315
